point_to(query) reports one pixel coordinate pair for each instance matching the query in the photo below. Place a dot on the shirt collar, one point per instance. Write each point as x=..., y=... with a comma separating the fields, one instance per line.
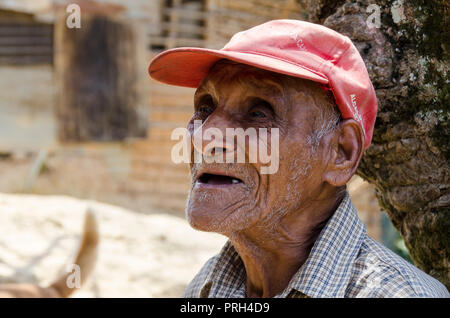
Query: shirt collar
x=326, y=271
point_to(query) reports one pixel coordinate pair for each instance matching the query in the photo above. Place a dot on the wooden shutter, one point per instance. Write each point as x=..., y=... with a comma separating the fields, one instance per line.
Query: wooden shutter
x=24, y=40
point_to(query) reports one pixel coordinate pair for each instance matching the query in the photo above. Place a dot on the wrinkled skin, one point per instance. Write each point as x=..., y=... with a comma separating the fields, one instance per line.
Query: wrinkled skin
x=272, y=219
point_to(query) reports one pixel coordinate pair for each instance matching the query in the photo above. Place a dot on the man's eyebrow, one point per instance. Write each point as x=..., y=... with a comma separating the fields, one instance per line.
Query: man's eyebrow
x=205, y=87
x=271, y=85
x=268, y=86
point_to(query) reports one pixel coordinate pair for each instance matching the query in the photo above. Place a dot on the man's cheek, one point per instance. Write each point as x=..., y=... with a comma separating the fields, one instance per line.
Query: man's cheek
x=283, y=188
x=269, y=150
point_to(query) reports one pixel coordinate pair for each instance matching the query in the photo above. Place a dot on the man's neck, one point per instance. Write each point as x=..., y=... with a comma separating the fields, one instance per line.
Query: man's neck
x=272, y=257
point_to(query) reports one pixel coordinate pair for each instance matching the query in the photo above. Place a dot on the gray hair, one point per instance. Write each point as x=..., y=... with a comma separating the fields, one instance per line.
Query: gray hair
x=327, y=121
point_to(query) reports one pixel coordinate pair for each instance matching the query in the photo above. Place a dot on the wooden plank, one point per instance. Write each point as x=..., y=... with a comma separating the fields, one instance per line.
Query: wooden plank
x=151, y=153
x=160, y=138
x=186, y=13
x=171, y=104
x=25, y=40
x=160, y=40
x=152, y=172
x=146, y=159
x=267, y=4
x=166, y=116
x=159, y=131
x=26, y=50
x=168, y=100
x=158, y=165
x=160, y=185
x=160, y=99
x=154, y=152
x=20, y=30
x=156, y=172
x=156, y=87
x=161, y=157
x=249, y=7
x=24, y=60
x=160, y=191
x=160, y=152
x=156, y=189
x=180, y=27
x=173, y=19
x=181, y=109
x=150, y=163
x=232, y=14
x=166, y=125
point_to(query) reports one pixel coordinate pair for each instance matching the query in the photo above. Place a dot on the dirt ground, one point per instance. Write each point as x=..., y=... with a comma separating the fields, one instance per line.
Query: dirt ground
x=139, y=255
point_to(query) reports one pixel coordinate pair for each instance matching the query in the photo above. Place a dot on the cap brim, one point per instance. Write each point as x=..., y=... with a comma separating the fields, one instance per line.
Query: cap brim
x=188, y=66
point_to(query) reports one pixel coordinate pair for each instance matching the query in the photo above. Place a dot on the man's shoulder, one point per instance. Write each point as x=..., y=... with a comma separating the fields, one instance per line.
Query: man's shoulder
x=197, y=285
x=379, y=272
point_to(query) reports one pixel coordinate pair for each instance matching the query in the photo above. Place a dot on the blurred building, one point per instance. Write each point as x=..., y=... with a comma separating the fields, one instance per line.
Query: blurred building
x=132, y=169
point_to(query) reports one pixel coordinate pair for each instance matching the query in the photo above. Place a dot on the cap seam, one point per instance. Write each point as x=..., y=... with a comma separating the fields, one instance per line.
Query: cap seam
x=326, y=63
x=349, y=44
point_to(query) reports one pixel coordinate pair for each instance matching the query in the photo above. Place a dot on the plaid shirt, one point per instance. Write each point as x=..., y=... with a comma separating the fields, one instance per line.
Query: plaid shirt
x=344, y=262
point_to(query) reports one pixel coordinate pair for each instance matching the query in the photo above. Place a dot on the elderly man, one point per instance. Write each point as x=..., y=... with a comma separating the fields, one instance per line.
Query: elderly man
x=295, y=232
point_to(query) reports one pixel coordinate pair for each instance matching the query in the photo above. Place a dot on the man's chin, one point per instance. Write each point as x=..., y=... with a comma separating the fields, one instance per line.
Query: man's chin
x=214, y=219
x=210, y=220
x=222, y=209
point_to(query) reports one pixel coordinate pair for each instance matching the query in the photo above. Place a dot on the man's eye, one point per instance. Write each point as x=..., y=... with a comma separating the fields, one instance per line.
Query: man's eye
x=205, y=109
x=257, y=114
x=260, y=109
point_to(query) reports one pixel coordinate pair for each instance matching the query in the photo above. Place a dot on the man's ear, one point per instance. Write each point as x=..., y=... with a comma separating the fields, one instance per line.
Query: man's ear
x=345, y=150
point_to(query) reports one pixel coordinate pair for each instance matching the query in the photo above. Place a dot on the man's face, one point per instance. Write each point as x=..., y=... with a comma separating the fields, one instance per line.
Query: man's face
x=230, y=197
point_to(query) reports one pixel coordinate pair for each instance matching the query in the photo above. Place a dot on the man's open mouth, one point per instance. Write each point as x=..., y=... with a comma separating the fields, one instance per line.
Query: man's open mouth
x=216, y=179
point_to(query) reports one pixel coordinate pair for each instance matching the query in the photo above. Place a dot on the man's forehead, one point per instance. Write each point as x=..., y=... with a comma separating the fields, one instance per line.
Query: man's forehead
x=227, y=74
x=234, y=75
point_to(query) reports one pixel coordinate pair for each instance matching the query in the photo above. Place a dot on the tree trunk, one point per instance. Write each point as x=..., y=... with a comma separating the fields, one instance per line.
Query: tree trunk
x=96, y=71
x=407, y=57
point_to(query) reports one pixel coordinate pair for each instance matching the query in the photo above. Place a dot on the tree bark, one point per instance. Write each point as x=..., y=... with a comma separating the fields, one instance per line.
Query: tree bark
x=407, y=58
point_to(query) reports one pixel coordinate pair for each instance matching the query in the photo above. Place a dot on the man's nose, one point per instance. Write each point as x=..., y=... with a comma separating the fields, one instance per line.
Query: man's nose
x=209, y=138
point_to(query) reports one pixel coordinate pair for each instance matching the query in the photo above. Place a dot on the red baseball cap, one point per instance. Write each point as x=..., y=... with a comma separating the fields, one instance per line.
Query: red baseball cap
x=290, y=47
